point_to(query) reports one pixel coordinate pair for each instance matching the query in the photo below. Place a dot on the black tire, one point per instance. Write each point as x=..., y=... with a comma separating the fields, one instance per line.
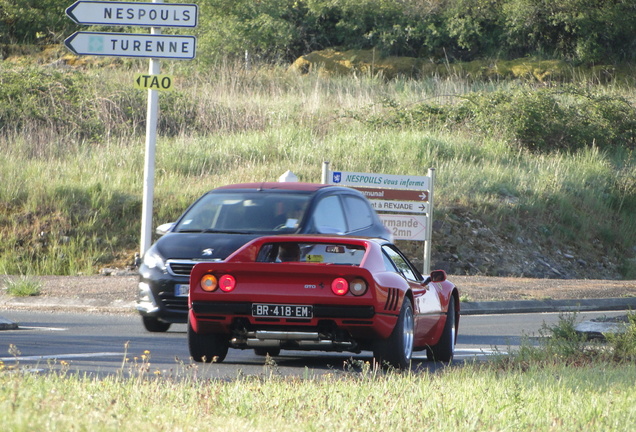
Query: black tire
x=153, y=325
x=397, y=349
x=445, y=348
x=272, y=352
x=206, y=348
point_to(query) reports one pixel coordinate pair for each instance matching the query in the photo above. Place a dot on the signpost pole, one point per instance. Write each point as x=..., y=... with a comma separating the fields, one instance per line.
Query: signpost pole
x=429, y=225
x=325, y=173
x=149, y=163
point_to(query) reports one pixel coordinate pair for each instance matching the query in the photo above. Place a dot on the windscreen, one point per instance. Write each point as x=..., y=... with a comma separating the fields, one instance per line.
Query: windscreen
x=245, y=212
x=309, y=252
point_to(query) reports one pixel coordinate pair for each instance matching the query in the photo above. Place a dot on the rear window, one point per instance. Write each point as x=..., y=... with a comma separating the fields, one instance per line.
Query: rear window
x=309, y=252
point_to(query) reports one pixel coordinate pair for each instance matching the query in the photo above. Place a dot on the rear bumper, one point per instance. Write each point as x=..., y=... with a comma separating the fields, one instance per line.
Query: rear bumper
x=332, y=327
x=204, y=309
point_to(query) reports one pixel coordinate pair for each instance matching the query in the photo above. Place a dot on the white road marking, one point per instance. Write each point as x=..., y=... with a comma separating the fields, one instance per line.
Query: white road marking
x=64, y=356
x=42, y=328
x=467, y=352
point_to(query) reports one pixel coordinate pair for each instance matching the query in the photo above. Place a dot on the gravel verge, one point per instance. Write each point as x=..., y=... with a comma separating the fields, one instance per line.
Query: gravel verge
x=116, y=293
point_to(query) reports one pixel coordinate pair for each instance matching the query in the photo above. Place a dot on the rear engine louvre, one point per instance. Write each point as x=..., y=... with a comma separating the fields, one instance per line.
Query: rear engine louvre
x=392, y=299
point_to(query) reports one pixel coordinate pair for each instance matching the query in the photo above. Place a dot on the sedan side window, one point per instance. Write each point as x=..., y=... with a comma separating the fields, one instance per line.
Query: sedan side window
x=358, y=213
x=329, y=216
x=401, y=264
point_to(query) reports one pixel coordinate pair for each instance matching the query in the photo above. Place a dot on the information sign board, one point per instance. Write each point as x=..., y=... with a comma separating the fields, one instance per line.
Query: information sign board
x=356, y=179
x=406, y=227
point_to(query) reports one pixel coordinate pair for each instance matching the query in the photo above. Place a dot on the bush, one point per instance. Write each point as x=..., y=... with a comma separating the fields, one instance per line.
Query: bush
x=35, y=98
x=23, y=287
x=28, y=21
x=562, y=118
x=558, y=118
x=561, y=343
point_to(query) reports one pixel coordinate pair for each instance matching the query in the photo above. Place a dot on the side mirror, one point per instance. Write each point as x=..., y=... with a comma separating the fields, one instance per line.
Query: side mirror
x=164, y=228
x=438, y=276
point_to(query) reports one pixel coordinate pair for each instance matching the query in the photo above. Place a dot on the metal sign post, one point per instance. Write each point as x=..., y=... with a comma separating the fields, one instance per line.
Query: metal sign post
x=154, y=68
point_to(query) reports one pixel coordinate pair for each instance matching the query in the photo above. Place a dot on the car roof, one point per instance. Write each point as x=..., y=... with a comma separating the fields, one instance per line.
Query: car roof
x=318, y=238
x=292, y=186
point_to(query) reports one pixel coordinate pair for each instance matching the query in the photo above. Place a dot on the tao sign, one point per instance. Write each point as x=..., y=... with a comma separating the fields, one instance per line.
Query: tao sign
x=153, y=82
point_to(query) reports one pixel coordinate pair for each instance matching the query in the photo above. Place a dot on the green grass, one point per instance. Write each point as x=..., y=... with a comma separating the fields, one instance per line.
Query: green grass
x=563, y=383
x=470, y=398
x=71, y=200
x=23, y=286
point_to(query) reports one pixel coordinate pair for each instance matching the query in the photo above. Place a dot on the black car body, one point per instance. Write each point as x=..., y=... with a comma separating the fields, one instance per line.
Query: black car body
x=226, y=218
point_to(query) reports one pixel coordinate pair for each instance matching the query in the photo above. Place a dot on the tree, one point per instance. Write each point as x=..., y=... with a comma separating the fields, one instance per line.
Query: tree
x=34, y=21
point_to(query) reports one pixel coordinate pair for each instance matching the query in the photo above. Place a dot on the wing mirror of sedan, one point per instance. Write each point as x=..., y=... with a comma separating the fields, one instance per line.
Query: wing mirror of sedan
x=436, y=276
x=164, y=228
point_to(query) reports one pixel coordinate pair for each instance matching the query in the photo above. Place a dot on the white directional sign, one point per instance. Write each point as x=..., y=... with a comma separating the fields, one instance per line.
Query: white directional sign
x=132, y=45
x=400, y=206
x=133, y=14
x=406, y=227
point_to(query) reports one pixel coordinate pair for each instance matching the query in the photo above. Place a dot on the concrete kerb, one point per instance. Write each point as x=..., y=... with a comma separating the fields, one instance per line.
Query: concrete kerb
x=537, y=306
x=508, y=307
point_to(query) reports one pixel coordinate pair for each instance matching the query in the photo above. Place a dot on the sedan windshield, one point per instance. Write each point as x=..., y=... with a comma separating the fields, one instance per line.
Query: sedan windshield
x=245, y=212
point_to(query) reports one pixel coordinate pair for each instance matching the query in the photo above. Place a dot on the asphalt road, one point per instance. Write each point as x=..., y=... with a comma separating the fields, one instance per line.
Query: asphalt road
x=118, y=344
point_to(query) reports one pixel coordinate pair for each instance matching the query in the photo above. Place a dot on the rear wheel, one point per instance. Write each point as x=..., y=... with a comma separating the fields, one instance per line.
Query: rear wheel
x=206, y=347
x=153, y=324
x=398, y=348
x=445, y=348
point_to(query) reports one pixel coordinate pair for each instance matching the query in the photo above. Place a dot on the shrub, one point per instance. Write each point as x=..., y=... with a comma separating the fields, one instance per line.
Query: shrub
x=558, y=118
x=23, y=286
x=561, y=343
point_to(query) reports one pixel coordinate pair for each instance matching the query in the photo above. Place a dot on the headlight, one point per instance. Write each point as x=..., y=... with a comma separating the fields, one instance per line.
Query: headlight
x=152, y=259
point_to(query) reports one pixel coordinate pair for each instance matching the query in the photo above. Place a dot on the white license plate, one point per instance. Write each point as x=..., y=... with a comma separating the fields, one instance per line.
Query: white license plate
x=282, y=311
x=181, y=290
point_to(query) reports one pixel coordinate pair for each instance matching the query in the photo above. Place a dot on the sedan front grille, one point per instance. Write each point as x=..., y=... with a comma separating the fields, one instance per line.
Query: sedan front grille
x=180, y=268
x=170, y=302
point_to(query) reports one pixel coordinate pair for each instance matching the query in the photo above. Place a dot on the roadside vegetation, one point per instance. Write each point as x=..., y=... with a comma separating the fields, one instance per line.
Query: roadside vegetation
x=531, y=167
x=562, y=382
x=524, y=108
x=543, y=170
x=22, y=286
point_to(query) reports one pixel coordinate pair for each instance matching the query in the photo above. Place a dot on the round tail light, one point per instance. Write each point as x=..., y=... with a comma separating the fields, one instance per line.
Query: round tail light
x=227, y=283
x=209, y=283
x=358, y=287
x=340, y=286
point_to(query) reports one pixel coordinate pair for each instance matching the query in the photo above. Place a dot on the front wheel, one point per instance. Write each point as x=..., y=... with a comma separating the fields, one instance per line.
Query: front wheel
x=444, y=350
x=206, y=348
x=397, y=349
x=153, y=324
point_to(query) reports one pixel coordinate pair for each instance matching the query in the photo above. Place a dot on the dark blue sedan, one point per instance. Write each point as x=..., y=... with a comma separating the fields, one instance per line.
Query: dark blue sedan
x=226, y=218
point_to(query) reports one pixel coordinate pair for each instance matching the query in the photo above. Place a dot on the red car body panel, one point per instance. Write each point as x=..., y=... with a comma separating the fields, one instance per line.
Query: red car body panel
x=364, y=318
